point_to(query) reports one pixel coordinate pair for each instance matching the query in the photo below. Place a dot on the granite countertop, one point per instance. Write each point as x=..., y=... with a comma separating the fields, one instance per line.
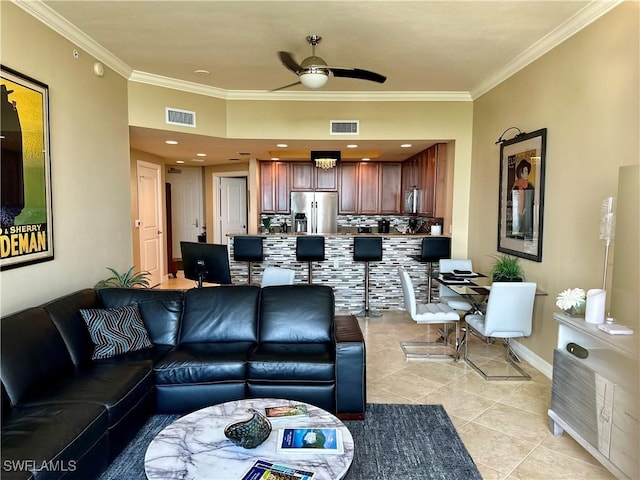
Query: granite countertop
x=338, y=234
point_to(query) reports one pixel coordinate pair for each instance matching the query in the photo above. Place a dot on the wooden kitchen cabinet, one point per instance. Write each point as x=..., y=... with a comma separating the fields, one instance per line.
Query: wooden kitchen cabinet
x=390, y=188
x=274, y=187
x=305, y=176
x=427, y=170
x=348, y=187
x=368, y=187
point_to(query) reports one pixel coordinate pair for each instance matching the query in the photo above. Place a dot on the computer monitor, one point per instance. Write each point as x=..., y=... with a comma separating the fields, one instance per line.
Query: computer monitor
x=206, y=262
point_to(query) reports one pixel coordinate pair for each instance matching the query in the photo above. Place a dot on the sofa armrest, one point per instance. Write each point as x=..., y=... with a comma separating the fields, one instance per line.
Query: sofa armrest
x=351, y=383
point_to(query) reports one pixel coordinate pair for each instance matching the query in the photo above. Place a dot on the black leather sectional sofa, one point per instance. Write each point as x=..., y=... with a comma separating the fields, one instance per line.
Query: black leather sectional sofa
x=67, y=416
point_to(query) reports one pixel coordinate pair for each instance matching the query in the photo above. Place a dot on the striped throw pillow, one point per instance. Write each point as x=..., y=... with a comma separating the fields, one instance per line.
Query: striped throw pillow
x=116, y=331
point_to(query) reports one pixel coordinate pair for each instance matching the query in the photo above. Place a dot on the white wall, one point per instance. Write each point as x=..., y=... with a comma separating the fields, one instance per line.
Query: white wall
x=89, y=164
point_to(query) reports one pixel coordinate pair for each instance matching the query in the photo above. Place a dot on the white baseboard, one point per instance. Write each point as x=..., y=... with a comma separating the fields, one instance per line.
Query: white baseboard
x=531, y=358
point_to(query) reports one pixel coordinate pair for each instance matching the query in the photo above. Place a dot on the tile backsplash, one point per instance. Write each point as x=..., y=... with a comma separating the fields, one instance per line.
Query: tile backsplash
x=354, y=221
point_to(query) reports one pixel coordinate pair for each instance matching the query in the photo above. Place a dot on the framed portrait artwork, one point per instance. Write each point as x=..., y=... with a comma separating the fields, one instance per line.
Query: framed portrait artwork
x=521, y=201
x=26, y=234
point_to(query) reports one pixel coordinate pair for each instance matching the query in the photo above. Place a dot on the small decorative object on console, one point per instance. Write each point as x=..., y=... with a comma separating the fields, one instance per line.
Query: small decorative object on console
x=249, y=433
x=572, y=301
x=615, y=329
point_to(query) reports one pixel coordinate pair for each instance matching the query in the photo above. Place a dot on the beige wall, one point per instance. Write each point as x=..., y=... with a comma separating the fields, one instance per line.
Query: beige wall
x=89, y=164
x=586, y=93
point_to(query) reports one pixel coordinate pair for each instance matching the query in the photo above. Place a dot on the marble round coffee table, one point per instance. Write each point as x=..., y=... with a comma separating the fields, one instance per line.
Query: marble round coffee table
x=194, y=446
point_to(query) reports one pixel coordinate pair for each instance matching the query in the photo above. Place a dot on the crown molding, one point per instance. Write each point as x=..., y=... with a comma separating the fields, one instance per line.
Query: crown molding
x=573, y=25
x=69, y=31
x=306, y=96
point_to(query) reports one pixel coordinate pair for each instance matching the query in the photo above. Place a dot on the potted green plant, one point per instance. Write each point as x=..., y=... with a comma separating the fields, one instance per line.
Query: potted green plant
x=125, y=280
x=506, y=269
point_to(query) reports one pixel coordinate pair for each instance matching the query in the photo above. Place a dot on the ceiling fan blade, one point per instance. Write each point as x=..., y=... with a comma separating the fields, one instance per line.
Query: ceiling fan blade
x=357, y=73
x=287, y=60
x=286, y=86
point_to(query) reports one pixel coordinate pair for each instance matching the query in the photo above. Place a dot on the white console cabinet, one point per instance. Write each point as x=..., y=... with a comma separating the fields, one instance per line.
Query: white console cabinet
x=595, y=400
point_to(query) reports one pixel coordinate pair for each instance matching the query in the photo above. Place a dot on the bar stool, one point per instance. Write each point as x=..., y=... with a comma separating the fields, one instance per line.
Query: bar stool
x=433, y=250
x=367, y=249
x=310, y=249
x=248, y=249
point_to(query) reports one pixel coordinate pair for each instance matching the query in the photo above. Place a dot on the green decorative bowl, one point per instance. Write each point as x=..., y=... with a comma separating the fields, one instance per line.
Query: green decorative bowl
x=251, y=432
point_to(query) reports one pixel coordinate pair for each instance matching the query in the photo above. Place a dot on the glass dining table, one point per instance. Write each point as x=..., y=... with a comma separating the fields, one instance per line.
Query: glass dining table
x=473, y=287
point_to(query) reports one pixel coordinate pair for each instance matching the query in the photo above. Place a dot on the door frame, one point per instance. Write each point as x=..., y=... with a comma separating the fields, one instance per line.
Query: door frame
x=161, y=220
x=216, y=176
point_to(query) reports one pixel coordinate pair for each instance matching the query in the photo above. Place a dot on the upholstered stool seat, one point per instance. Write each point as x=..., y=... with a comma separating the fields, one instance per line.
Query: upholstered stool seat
x=248, y=249
x=310, y=249
x=367, y=249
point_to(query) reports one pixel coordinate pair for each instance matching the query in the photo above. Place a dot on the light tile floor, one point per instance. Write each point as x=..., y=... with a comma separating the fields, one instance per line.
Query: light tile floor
x=503, y=424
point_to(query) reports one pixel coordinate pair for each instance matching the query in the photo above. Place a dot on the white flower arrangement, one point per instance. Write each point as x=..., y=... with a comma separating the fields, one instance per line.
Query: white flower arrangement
x=571, y=298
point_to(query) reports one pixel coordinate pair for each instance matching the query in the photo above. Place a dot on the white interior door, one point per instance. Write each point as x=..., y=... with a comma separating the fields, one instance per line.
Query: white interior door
x=186, y=206
x=150, y=221
x=233, y=206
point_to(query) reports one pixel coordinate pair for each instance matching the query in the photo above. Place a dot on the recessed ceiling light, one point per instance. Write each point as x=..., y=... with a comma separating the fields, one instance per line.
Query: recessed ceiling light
x=201, y=154
x=179, y=161
x=275, y=158
x=202, y=71
x=197, y=160
x=171, y=142
x=366, y=159
x=352, y=145
x=282, y=145
x=406, y=145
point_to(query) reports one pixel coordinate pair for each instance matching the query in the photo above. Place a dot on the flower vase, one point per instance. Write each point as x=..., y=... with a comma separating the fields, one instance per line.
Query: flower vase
x=576, y=311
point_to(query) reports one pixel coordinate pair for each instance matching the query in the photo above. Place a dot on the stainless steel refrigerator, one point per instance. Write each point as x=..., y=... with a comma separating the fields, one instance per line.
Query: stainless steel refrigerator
x=319, y=208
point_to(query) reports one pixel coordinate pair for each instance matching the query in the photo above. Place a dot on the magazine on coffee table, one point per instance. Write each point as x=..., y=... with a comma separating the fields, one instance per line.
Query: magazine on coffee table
x=282, y=412
x=265, y=470
x=310, y=441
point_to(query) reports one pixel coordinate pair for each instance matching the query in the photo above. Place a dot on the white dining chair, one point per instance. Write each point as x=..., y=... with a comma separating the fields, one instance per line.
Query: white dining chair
x=277, y=276
x=428, y=313
x=448, y=296
x=509, y=315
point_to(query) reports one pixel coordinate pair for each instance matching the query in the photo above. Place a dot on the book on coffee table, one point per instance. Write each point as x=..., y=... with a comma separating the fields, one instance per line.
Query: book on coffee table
x=281, y=412
x=264, y=470
x=310, y=441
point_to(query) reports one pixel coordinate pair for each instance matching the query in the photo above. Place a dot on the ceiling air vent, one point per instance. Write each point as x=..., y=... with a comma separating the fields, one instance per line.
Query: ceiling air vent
x=184, y=118
x=344, y=127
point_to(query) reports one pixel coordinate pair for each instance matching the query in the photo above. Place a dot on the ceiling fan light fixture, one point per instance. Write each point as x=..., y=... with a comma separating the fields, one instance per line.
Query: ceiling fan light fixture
x=314, y=78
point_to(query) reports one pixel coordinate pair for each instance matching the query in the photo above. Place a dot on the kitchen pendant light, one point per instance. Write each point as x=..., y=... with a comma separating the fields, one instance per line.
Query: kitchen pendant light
x=325, y=163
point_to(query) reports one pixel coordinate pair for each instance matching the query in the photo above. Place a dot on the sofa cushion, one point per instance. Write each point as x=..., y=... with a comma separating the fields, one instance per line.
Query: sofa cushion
x=115, y=331
x=117, y=387
x=52, y=439
x=33, y=354
x=204, y=363
x=65, y=314
x=297, y=314
x=282, y=362
x=220, y=314
x=161, y=310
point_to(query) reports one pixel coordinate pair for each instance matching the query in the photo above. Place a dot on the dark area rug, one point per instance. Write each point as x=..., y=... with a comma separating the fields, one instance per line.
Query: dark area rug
x=394, y=442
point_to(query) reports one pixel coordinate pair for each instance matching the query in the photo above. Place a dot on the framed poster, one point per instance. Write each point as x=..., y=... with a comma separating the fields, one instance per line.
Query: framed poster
x=521, y=201
x=26, y=234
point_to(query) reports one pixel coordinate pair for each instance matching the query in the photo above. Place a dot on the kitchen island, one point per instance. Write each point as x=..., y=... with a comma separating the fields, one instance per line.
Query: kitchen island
x=341, y=272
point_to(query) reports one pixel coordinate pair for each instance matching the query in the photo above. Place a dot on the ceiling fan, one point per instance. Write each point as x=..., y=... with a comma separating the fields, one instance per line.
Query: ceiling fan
x=314, y=72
